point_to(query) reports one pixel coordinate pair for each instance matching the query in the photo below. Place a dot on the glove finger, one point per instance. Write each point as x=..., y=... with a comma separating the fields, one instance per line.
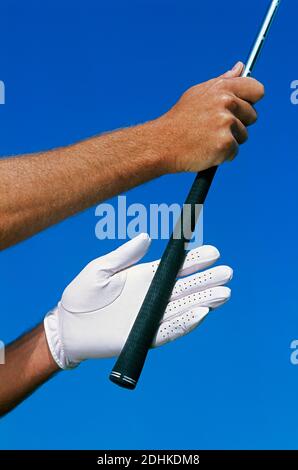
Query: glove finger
x=180, y=326
x=201, y=281
x=210, y=298
x=197, y=259
x=126, y=255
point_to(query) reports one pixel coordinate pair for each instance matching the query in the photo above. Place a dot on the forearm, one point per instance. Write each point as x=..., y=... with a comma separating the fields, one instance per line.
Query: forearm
x=204, y=129
x=28, y=364
x=42, y=189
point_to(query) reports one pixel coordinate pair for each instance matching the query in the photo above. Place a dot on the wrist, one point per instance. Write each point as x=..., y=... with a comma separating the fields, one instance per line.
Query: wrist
x=54, y=341
x=161, y=145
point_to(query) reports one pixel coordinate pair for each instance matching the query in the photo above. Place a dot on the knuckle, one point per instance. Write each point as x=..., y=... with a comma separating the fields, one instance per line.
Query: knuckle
x=226, y=118
x=226, y=143
x=227, y=100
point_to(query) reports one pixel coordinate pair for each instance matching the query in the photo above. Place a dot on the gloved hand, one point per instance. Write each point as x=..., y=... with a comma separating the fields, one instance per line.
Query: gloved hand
x=98, y=308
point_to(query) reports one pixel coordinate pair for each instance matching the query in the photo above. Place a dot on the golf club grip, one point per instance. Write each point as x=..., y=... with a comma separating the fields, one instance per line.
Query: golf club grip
x=130, y=362
x=128, y=367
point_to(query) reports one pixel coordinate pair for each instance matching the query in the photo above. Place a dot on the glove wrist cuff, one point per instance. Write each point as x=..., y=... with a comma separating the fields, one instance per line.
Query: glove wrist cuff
x=52, y=331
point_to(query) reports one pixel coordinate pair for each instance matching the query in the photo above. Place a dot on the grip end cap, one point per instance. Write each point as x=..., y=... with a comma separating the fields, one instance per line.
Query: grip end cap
x=123, y=380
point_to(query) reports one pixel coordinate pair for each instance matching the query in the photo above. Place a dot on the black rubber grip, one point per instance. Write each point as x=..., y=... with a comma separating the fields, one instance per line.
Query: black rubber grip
x=129, y=365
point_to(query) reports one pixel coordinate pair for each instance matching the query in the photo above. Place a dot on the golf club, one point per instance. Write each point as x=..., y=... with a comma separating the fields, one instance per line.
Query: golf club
x=129, y=364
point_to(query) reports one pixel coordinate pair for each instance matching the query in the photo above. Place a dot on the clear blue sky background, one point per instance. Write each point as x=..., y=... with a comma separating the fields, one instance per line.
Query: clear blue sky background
x=73, y=69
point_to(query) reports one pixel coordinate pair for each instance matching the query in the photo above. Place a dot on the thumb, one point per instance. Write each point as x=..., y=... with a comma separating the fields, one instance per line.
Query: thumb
x=234, y=72
x=129, y=253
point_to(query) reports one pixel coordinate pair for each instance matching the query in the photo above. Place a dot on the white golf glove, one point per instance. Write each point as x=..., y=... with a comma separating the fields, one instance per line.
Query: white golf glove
x=98, y=308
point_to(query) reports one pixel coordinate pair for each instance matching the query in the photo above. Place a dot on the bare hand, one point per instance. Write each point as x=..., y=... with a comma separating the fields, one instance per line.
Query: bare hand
x=209, y=122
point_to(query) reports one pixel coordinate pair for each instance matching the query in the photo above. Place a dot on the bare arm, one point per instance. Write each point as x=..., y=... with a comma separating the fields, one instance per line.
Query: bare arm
x=203, y=129
x=28, y=364
x=40, y=190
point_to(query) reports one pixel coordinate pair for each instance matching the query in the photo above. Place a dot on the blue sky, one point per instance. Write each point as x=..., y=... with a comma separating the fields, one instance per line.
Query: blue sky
x=74, y=69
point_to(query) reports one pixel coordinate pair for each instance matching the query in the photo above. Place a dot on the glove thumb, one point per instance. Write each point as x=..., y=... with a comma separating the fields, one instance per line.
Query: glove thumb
x=128, y=254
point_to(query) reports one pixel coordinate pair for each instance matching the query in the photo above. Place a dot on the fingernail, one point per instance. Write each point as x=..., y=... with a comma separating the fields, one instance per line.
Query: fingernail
x=237, y=66
x=237, y=69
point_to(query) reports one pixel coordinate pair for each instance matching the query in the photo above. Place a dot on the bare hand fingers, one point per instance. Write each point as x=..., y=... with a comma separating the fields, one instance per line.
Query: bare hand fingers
x=247, y=89
x=242, y=110
x=239, y=131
